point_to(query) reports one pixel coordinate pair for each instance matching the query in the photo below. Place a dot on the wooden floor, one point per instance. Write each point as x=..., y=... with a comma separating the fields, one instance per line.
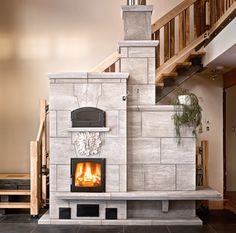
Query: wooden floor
x=229, y=203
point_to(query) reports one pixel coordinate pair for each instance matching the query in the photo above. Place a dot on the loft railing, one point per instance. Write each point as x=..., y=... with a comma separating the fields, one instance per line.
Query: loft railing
x=193, y=18
x=39, y=164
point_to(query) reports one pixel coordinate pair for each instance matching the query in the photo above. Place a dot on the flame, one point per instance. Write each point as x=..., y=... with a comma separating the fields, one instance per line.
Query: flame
x=88, y=175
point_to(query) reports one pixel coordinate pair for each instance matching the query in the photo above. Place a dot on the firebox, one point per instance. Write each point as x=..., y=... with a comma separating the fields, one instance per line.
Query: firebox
x=88, y=175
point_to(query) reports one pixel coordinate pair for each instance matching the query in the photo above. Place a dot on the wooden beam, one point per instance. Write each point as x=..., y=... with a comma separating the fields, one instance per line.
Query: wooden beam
x=171, y=14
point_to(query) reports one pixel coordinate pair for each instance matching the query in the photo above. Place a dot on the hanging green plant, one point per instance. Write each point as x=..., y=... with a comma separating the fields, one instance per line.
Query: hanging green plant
x=188, y=113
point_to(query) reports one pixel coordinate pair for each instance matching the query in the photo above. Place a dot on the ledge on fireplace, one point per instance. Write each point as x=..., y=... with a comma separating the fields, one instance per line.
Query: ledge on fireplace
x=89, y=129
x=199, y=194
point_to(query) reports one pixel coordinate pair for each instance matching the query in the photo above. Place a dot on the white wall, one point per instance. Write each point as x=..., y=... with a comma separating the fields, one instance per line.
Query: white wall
x=210, y=94
x=231, y=138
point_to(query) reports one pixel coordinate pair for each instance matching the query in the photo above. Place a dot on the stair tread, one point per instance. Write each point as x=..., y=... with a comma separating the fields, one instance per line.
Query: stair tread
x=15, y=205
x=183, y=64
x=15, y=176
x=170, y=74
x=197, y=54
x=14, y=192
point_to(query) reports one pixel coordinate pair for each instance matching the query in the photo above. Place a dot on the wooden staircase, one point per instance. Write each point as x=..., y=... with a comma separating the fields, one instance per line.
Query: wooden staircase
x=183, y=33
x=29, y=191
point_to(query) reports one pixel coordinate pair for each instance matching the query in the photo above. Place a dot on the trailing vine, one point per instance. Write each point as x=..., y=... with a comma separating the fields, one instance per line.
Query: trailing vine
x=188, y=115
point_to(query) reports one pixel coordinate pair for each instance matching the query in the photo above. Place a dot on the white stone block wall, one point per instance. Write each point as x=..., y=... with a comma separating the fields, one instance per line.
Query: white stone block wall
x=138, y=59
x=155, y=160
x=69, y=91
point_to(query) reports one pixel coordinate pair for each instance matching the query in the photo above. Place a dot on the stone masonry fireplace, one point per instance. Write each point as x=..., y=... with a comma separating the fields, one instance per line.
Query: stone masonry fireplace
x=88, y=175
x=114, y=157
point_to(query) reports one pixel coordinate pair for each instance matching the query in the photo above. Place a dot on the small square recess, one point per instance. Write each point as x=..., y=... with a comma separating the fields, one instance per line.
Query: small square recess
x=111, y=213
x=64, y=213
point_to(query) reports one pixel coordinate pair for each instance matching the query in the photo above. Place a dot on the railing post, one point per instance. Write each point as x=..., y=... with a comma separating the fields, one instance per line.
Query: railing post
x=34, y=178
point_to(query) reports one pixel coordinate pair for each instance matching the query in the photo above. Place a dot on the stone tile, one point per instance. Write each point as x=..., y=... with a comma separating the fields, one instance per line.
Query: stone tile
x=63, y=123
x=159, y=177
x=144, y=209
x=101, y=229
x=88, y=94
x=141, y=95
x=112, y=121
x=186, y=177
x=182, y=209
x=123, y=178
x=192, y=229
x=56, y=229
x=144, y=150
x=55, y=204
x=61, y=151
x=223, y=228
x=63, y=178
x=53, y=123
x=112, y=178
x=123, y=51
x=112, y=96
x=135, y=177
x=173, y=153
x=105, y=80
x=222, y=217
x=18, y=218
x=137, y=68
x=53, y=177
x=137, y=25
x=72, y=80
x=157, y=124
x=62, y=97
x=102, y=206
x=121, y=206
x=141, y=52
x=146, y=229
x=122, y=132
x=151, y=70
x=115, y=151
x=134, y=124
x=16, y=228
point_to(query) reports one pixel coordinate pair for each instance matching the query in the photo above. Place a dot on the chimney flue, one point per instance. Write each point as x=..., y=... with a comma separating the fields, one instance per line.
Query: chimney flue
x=136, y=2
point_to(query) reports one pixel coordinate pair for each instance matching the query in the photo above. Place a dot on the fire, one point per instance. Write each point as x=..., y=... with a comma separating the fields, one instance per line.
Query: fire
x=88, y=174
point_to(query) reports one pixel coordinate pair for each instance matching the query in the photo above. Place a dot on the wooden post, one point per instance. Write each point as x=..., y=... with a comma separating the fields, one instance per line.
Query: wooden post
x=172, y=37
x=204, y=145
x=166, y=42
x=43, y=116
x=34, y=179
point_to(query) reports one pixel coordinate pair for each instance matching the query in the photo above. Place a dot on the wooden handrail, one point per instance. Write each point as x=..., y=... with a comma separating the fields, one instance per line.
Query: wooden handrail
x=107, y=63
x=172, y=14
x=40, y=132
